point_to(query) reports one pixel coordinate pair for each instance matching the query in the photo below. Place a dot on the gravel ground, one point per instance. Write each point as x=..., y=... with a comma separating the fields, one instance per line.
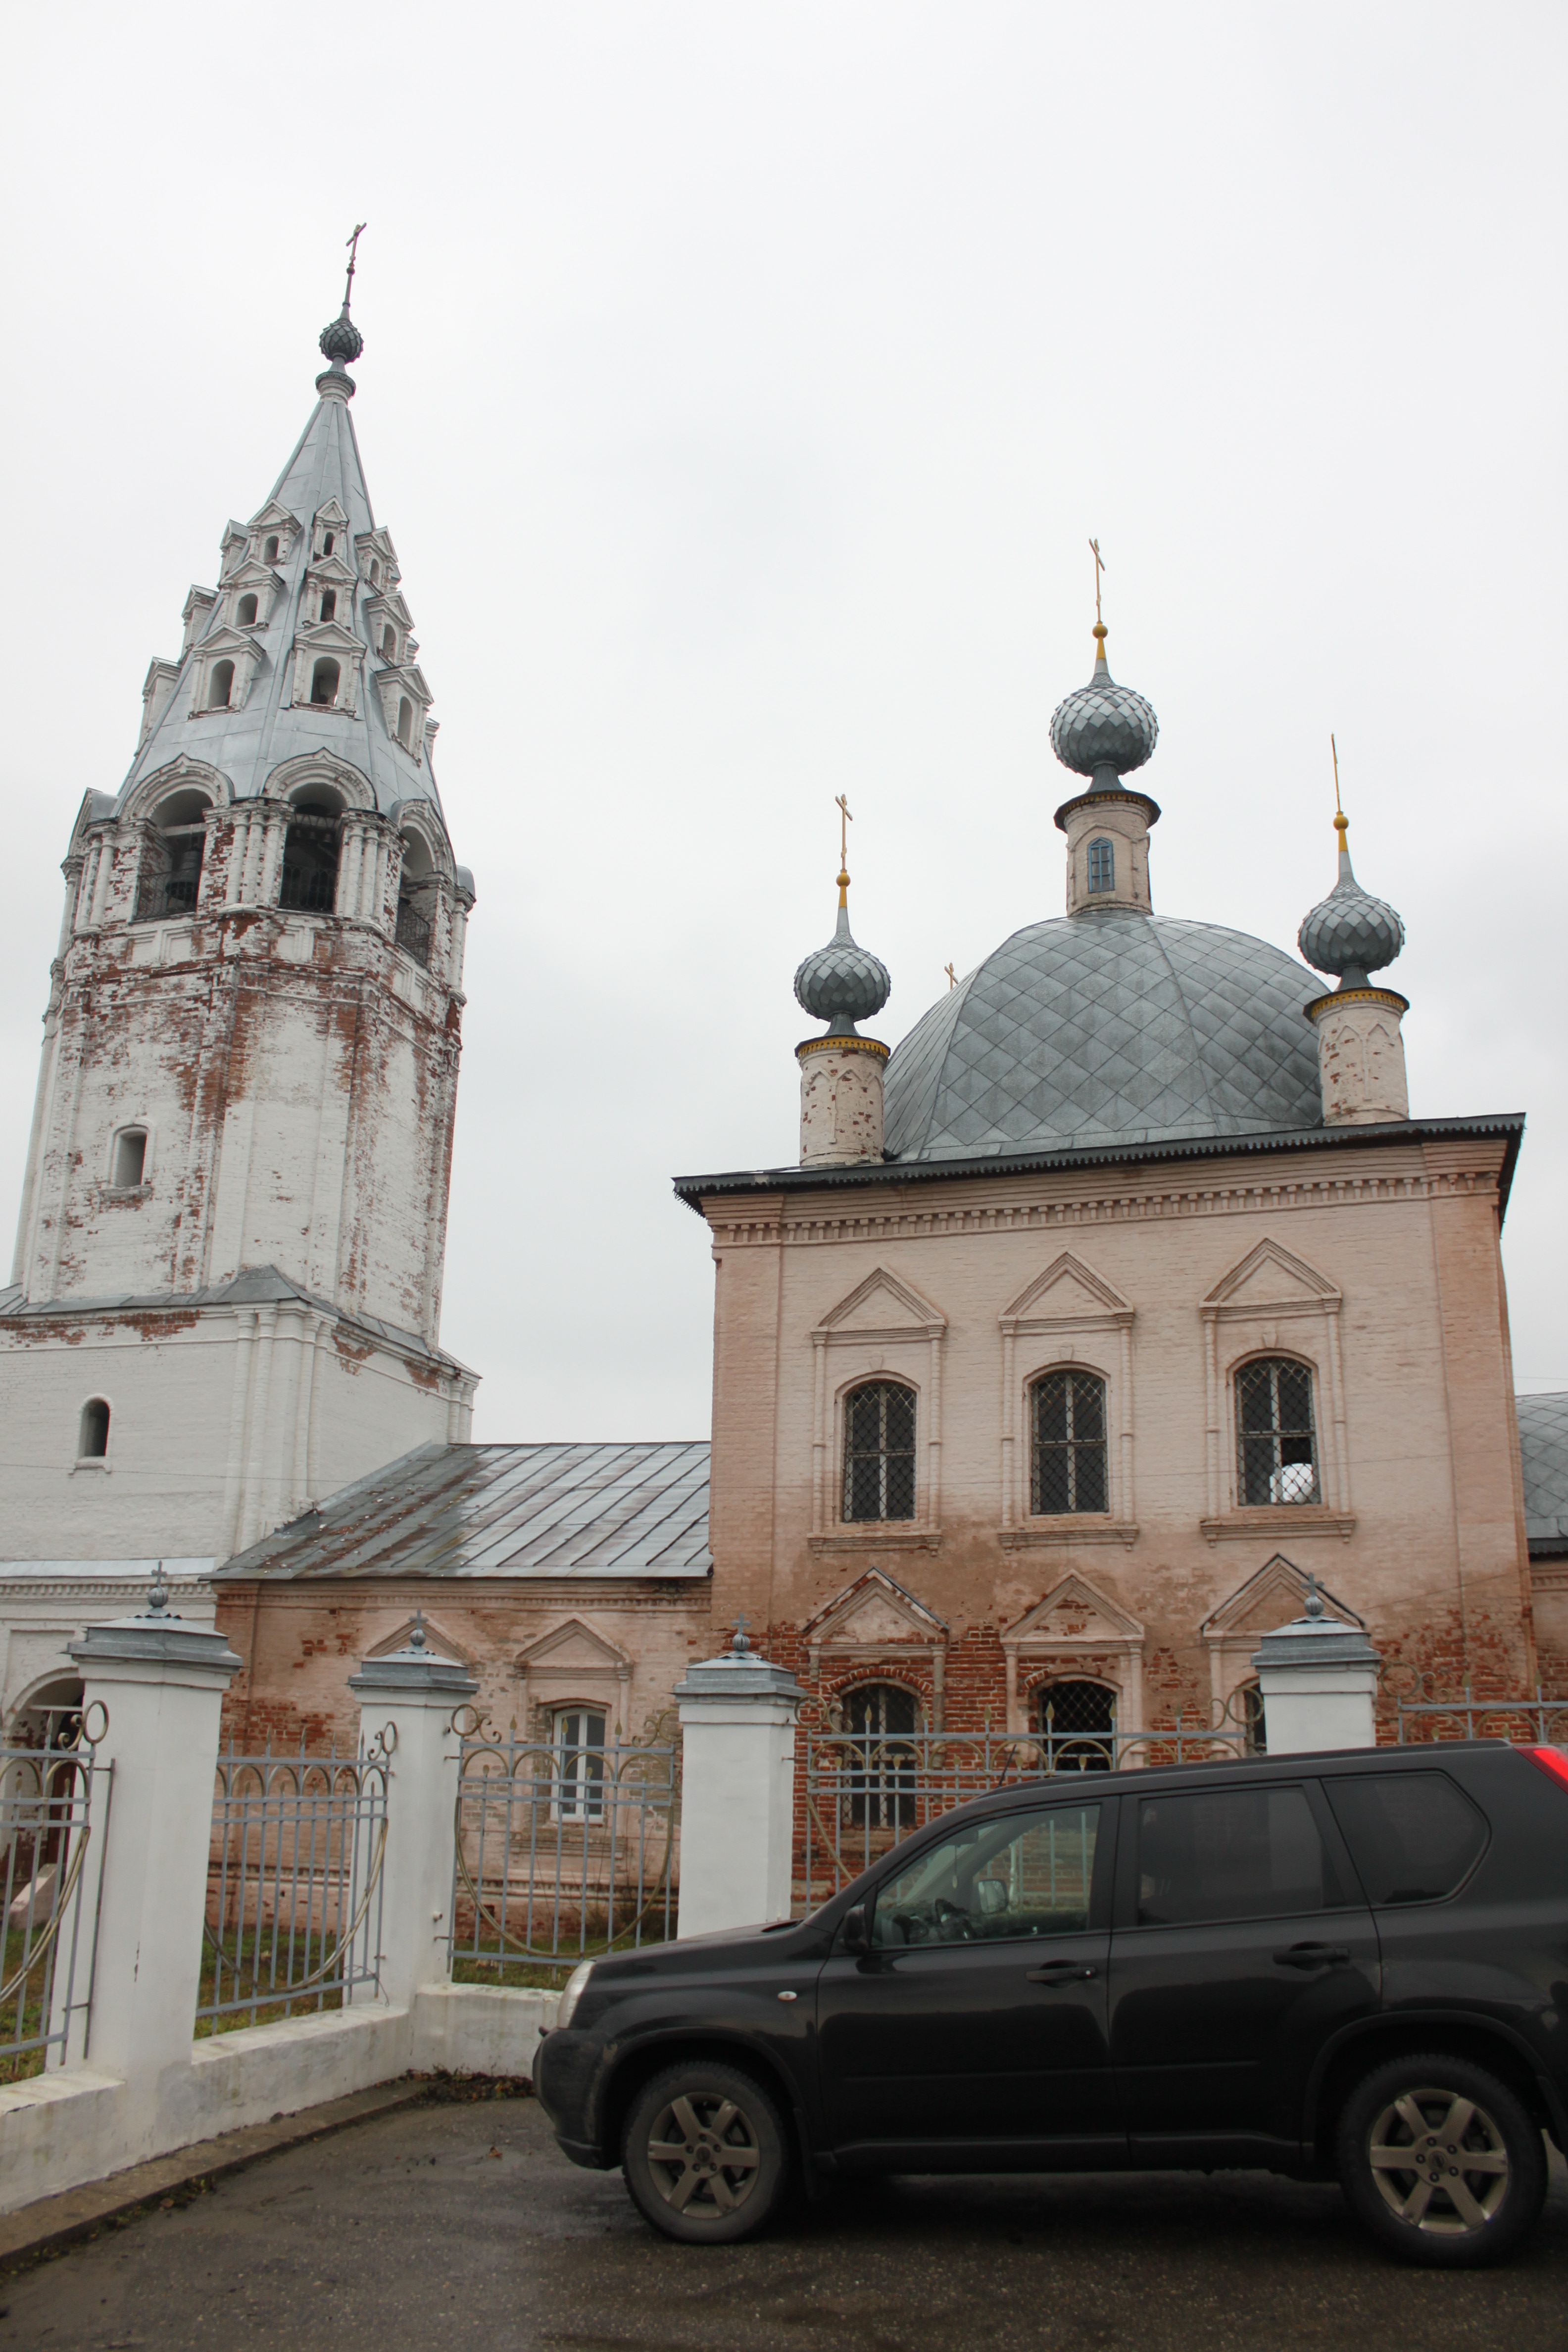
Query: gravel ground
x=462, y=2226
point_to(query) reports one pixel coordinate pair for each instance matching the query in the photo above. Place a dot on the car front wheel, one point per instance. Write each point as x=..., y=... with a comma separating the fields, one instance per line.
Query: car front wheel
x=1441, y=2161
x=705, y=2153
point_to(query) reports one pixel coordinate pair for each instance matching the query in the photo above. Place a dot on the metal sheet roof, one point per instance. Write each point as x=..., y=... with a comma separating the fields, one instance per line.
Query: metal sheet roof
x=1543, y=1452
x=503, y=1511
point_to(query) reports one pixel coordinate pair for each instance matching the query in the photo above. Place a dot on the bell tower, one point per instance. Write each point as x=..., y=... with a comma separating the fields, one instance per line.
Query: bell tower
x=226, y=1292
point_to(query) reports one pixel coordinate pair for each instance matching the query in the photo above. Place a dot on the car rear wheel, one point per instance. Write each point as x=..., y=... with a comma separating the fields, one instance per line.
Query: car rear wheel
x=1440, y=2160
x=705, y=2153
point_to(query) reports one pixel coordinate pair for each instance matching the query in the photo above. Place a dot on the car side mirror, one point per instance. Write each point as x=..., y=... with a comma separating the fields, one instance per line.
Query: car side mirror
x=856, y=1930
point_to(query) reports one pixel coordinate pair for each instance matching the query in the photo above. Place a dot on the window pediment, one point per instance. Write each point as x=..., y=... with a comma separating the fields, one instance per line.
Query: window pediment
x=1073, y=1615
x=884, y=1307
x=872, y=1612
x=1068, y=1292
x=575, y=1650
x=1277, y=1593
x=1270, y=1280
x=439, y=1644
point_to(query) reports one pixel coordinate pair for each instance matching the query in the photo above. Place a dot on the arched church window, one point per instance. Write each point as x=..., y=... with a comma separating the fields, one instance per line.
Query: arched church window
x=220, y=686
x=880, y=1759
x=1076, y=1723
x=579, y=1744
x=325, y=680
x=405, y=722
x=1067, y=1422
x=309, y=884
x=92, y=1436
x=246, y=612
x=129, y=1157
x=880, y=1452
x=269, y=552
x=389, y=645
x=329, y=604
x=1275, y=1439
x=1101, y=864
x=169, y=876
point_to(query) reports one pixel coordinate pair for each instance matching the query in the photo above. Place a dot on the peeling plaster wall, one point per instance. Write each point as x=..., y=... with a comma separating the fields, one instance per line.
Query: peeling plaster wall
x=1399, y=1306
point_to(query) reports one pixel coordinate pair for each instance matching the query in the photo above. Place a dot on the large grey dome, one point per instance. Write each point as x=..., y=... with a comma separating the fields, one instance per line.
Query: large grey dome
x=1104, y=1029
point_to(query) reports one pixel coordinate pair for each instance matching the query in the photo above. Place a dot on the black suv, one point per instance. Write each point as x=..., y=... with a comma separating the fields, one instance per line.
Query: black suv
x=1353, y=1963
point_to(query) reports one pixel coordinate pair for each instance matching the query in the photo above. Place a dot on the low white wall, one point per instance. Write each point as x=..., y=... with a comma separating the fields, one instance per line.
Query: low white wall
x=61, y=2130
x=481, y=2029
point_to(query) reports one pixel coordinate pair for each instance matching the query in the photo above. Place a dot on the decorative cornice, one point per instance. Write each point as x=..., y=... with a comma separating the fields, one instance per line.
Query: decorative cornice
x=885, y=1540
x=1083, y=800
x=1282, y=1519
x=873, y=1046
x=1067, y=1533
x=769, y=1222
x=1389, y=996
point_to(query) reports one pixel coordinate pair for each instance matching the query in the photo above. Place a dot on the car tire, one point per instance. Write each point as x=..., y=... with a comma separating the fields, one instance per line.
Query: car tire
x=705, y=2153
x=1439, y=2208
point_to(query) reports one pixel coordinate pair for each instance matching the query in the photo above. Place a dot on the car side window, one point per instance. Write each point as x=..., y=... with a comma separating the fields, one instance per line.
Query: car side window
x=1231, y=1854
x=1413, y=1835
x=1021, y=1874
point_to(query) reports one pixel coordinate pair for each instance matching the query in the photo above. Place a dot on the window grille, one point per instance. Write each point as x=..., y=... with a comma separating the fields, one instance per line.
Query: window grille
x=171, y=873
x=880, y=1452
x=310, y=864
x=412, y=931
x=1069, y=1472
x=880, y=1794
x=1254, y=1725
x=1101, y=864
x=1274, y=1439
x=1077, y=1721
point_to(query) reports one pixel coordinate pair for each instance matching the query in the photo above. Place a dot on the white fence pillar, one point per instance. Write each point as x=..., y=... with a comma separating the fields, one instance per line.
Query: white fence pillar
x=1318, y=1676
x=407, y=1700
x=737, y=1806
x=161, y=1684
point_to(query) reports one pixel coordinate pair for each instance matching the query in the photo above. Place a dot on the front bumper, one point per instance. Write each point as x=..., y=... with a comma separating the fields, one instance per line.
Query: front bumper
x=566, y=2075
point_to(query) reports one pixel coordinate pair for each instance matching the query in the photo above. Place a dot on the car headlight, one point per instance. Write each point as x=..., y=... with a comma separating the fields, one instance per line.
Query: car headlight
x=575, y=1985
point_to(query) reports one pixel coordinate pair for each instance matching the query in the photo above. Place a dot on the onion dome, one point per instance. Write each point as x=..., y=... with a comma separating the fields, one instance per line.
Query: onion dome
x=342, y=341
x=1350, y=934
x=842, y=983
x=1104, y=730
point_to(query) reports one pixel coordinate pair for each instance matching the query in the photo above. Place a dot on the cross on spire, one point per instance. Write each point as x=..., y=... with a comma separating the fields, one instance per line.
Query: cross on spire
x=1099, y=570
x=353, y=260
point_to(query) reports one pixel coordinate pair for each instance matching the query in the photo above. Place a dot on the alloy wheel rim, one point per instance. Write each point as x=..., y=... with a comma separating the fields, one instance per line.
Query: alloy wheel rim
x=1440, y=2162
x=703, y=2155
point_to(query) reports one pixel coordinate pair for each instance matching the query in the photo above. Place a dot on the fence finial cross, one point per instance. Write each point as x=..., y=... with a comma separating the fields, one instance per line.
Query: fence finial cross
x=417, y=1631
x=1314, y=1598
x=740, y=1644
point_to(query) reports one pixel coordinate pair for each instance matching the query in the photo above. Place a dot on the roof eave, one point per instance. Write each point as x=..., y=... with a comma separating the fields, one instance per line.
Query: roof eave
x=693, y=1189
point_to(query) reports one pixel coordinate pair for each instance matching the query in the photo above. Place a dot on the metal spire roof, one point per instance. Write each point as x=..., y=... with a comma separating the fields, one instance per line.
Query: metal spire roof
x=248, y=742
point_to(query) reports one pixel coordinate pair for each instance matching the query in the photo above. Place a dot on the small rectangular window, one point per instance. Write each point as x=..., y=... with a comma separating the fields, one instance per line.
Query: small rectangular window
x=1412, y=1835
x=1231, y=1854
x=130, y=1158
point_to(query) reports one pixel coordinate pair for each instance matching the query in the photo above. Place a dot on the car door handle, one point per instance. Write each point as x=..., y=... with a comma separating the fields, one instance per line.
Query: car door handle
x=1059, y=1972
x=1313, y=1956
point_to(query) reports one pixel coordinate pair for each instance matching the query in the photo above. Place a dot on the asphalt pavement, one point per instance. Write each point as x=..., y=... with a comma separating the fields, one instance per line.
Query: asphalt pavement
x=462, y=2228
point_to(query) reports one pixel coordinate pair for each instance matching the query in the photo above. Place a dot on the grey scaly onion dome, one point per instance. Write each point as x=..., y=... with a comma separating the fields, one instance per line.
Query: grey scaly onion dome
x=842, y=983
x=342, y=341
x=1103, y=730
x=1350, y=934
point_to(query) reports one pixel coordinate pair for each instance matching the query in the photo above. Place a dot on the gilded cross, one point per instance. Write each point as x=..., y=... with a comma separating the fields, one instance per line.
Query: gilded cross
x=841, y=803
x=1099, y=568
x=951, y=975
x=1335, y=749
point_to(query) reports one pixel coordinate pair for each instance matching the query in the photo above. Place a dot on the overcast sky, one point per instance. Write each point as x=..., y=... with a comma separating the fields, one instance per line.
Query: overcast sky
x=741, y=383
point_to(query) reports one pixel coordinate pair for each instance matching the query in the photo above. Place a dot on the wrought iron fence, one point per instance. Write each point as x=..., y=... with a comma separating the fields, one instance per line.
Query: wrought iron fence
x=1537, y=1721
x=863, y=1791
x=563, y=1848
x=293, y=1917
x=47, y=1799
